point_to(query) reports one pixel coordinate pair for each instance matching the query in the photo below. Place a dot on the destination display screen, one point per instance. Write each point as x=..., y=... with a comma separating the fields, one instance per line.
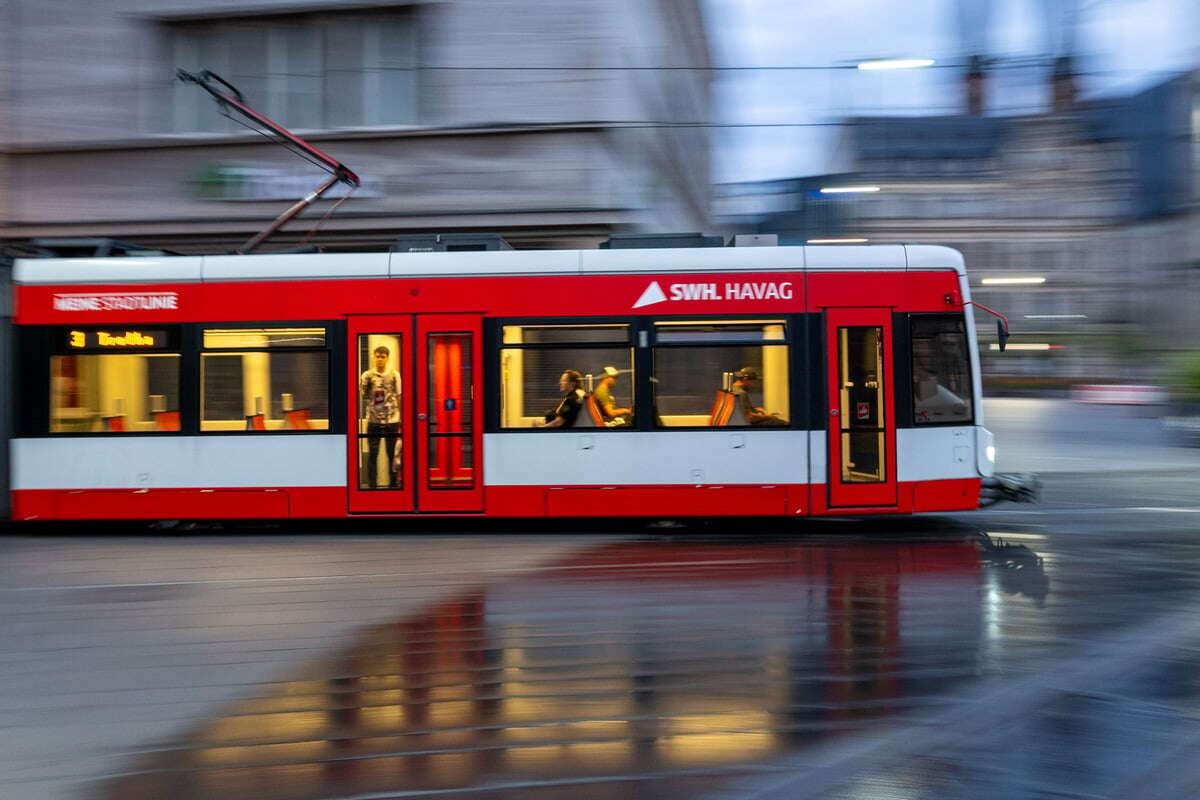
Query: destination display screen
x=117, y=339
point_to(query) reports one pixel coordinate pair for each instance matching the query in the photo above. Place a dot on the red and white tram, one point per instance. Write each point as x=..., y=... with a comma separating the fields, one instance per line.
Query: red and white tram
x=780, y=381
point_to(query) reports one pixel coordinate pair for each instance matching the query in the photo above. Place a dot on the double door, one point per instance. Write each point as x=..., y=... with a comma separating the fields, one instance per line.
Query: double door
x=414, y=441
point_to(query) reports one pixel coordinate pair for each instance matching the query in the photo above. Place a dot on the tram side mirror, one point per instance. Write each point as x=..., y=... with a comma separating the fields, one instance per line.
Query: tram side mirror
x=1002, y=334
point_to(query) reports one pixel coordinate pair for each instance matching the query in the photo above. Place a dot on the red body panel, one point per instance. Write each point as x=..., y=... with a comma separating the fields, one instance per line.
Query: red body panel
x=501, y=501
x=611, y=295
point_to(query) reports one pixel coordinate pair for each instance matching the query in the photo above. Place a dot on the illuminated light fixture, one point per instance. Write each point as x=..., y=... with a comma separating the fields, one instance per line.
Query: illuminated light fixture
x=1013, y=281
x=896, y=63
x=848, y=189
x=1056, y=316
x=1040, y=346
x=837, y=241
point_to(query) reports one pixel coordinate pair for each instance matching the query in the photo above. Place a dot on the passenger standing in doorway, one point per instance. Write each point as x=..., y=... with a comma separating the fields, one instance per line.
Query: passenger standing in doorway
x=379, y=392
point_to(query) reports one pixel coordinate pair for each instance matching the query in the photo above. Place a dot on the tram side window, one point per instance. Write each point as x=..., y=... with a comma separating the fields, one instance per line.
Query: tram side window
x=118, y=393
x=264, y=379
x=710, y=373
x=941, y=370
x=534, y=359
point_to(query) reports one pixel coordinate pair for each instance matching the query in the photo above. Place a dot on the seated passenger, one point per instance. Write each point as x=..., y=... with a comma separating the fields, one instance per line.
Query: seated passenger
x=613, y=415
x=744, y=380
x=570, y=383
x=933, y=402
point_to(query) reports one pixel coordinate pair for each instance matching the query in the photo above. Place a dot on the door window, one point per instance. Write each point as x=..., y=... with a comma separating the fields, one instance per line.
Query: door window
x=451, y=456
x=380, y=412
x=860, y=407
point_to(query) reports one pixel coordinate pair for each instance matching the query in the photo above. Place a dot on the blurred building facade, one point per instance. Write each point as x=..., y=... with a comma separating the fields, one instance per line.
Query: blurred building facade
x=1101, y=199
x=532, y=119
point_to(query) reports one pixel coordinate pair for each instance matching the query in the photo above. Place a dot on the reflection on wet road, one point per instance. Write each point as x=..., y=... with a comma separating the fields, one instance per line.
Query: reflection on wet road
x=647, y=668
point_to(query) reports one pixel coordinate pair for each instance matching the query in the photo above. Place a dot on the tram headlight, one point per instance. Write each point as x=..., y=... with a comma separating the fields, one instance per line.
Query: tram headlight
x=991, y=453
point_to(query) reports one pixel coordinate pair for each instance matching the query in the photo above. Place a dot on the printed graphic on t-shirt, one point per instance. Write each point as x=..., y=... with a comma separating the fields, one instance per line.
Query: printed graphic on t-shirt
x=381, y=390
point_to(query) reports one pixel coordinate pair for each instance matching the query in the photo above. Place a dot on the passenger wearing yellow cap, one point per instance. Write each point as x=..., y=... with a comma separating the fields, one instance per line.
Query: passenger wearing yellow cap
x=605, y=401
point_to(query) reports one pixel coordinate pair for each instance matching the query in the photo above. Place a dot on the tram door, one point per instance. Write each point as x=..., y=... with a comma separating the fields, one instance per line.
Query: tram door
x=861, y=431
x=414, y=428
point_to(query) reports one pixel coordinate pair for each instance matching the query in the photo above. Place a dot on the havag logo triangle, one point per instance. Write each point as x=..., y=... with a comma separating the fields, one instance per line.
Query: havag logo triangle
x=653, y=294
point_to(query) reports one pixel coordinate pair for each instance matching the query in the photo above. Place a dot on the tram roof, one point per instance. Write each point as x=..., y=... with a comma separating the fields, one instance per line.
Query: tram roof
x=322, y=266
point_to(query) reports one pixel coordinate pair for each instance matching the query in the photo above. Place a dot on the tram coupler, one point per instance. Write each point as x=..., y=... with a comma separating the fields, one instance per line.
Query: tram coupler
x=1016, y=487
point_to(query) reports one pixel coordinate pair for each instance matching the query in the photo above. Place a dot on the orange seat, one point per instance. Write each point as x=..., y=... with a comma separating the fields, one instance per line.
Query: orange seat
x=722, y=409
x=593, y=409
x=296, y=419
x=718, y=399
x=115, y=424
x=167, y=420
x=256, y=422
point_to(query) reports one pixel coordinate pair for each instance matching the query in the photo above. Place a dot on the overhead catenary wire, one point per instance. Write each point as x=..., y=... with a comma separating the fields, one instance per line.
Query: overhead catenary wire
x=83, y=91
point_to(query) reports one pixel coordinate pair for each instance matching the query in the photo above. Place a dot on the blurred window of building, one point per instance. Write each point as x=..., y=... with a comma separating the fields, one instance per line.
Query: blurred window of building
x=887, y=206
x=264, y=379
x=962, y=205
x=1196, y=138
x=340, y=69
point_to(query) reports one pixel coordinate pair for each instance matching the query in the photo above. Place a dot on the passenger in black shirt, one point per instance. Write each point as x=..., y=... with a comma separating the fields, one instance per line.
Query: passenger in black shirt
x=570, y=383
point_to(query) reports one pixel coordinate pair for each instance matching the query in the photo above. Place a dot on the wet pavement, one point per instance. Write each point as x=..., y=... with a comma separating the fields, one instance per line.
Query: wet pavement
x=904, y=658
x=1048, y=651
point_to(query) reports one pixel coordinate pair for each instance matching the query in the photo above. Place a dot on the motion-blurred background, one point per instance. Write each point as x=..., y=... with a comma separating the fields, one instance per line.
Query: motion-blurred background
x=1056, y=143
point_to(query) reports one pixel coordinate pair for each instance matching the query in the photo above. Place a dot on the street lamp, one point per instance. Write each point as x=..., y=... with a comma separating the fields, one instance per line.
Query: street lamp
x=1032, y=280
x=895, y=63
x=848, y=189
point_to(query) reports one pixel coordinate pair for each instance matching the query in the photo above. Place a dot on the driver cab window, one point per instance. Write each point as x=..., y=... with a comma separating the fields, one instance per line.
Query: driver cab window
x=941, y=371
